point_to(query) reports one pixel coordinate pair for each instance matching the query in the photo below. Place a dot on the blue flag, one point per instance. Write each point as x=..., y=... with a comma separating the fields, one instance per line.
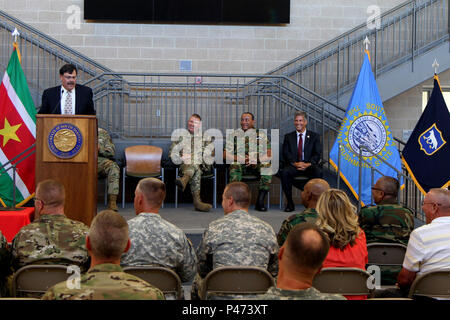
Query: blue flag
x=365, y=124
x=427, y=152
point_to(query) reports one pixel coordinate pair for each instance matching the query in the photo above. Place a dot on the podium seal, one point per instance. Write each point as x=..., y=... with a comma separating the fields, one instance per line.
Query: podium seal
x=65, y=140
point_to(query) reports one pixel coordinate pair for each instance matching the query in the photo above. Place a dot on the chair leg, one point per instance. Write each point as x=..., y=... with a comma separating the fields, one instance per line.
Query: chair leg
x=176, y=189
x=268, y=200
x=123, y=188
x=106, y=191
x=281, y=197
x=162, y=179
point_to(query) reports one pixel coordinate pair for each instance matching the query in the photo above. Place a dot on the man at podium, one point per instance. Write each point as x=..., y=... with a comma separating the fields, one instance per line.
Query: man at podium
x=69, y=98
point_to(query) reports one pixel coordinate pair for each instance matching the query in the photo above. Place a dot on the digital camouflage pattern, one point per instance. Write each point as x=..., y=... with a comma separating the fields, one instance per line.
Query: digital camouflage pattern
x=387, y=222
x=197, y=167
x=157, y=242
x=238, y=238
x=237, y=169
x=106, y=165
x=308, y=215
x=106, y=282
x=53, y=239
x=307, y=294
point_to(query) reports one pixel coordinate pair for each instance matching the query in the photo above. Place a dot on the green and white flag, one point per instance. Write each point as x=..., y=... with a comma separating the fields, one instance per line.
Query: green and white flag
x=17, y=134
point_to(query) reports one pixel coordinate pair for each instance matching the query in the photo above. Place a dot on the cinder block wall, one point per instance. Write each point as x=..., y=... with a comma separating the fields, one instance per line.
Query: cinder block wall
x=211, y=48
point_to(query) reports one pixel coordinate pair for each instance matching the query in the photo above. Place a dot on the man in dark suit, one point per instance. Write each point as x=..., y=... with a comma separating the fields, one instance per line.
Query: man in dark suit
x=301, y=156
x=70, y=97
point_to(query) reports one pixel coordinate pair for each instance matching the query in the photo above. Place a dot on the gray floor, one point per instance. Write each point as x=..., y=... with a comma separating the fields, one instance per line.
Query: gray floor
x=195, y=222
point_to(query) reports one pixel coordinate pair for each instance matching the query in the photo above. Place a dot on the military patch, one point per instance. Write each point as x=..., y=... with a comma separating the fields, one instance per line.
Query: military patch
x=65, y=140
x=431, y=140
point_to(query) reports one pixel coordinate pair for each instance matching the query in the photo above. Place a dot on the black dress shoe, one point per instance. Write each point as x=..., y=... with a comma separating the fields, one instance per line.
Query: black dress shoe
x=289, y=208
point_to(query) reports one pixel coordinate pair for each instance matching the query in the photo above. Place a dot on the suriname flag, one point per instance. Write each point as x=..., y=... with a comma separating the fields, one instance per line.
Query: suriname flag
x=17, y=134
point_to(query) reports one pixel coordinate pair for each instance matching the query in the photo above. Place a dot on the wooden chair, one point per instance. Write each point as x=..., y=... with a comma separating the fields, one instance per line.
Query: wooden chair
x=142, y=161
x=164, y=279
x=236, y=280
x=345, y=281
x=33, y=281
x=434, y=284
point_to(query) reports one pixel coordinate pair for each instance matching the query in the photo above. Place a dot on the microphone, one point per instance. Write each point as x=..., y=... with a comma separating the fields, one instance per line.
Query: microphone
x=58, y=104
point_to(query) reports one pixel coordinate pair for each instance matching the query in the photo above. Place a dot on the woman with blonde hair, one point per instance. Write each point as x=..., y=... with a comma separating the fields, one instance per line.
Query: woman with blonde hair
x=338, y=219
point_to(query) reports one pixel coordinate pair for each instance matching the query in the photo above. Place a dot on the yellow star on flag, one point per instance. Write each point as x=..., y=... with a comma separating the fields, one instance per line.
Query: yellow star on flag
x=9, y=132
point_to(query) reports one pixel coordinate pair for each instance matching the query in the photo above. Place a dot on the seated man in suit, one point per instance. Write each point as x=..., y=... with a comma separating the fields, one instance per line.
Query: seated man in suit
x=302, y=152
x=69, y=98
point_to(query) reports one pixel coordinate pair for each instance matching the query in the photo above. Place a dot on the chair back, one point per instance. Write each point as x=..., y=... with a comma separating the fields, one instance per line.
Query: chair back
x=34, y=280
x=236, y=280
x=143, y=161
x=163, y=278
x=431, y=284
x=345, y=281
x=386, y=253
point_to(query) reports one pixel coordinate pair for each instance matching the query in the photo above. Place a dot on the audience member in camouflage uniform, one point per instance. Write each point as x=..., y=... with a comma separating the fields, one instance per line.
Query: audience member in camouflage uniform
x=236, y=239
x=5, y=267
x=193, y=165
x=310, y=194
x=387, y=221
x=52, y=238
x=105, y=280
x=155, y=241
x=233, y=154
x=107, y=166
x=300, y=258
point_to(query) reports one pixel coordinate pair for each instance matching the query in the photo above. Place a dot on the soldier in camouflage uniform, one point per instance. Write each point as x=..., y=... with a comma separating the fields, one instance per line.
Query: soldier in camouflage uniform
x=193, y=165
x=233, y=152
x=387, y=221
x=310, y=194
x=236, y=239
x=5, y=268
x=155, y=241
x=107, y=166
x=105, y=280
x=52, y=238
x=300, y=258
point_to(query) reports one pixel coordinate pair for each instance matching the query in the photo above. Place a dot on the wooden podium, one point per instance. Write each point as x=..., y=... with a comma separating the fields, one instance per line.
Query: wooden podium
x=66, y=151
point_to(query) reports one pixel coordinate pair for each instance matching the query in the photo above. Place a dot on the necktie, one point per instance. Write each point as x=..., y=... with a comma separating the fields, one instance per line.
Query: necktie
x=300, y=148
x=68, y=104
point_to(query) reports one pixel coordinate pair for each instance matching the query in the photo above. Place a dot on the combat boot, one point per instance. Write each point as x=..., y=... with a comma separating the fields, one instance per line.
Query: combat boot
x=182, y=182
x=198, y=204
x=112, y=202
x=259, y=206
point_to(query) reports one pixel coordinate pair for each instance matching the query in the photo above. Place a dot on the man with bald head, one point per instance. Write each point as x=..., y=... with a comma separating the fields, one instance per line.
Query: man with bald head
x=310, y=194
x=238, y=238
x=428, y=248
x=300, y=259
x=388, y=221
x=155, y=241
x=51, y=237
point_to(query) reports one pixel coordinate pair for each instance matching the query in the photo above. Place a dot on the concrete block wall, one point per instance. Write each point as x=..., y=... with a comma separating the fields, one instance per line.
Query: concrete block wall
x=211, y=48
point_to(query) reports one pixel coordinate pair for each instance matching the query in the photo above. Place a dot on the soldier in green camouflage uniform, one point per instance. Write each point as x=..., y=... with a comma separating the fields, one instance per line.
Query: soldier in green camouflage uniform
x=5, y=268
x=300, y=258
x=310, y=194
x=233, y=152
x=52, y=238
x=387, y=222
x=106, y=166
x=193, y=165
x=105, y=280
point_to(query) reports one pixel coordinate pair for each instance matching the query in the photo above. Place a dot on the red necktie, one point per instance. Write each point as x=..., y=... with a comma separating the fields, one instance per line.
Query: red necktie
x=300, y=148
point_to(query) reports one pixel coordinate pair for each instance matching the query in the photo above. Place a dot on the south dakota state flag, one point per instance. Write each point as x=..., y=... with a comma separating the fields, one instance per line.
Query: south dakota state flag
x=427, y=152
x=365, y=124
x=17, y=134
